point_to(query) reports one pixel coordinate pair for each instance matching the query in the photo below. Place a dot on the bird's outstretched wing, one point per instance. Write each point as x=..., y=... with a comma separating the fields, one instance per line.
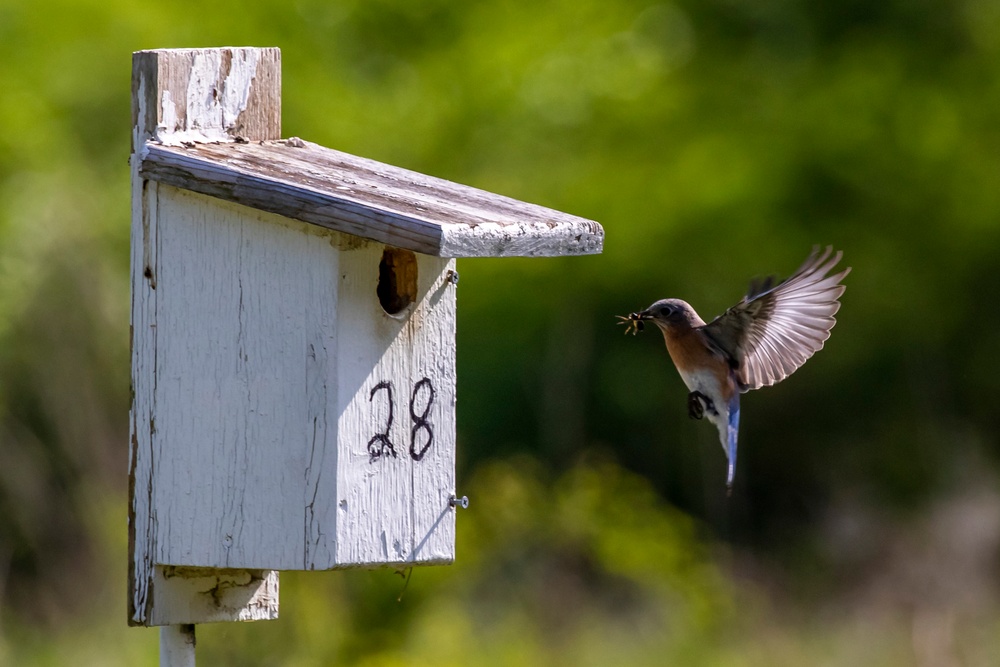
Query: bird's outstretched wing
x=775, y=328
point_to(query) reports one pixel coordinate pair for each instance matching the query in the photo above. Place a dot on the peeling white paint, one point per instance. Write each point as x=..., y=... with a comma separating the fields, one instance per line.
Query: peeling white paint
x=236, y=90
x=214, y=100
x=138, y=134
x=169, y=122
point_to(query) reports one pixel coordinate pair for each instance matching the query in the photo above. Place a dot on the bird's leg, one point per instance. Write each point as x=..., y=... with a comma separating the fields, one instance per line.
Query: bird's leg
x=698, y=403
x=695, y=409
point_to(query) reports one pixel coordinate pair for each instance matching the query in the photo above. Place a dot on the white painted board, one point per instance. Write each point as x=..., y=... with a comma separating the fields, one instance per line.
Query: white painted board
x=270, y=348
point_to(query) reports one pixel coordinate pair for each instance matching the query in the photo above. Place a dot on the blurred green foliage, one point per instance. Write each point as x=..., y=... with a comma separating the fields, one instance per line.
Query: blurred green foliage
x=715, y=141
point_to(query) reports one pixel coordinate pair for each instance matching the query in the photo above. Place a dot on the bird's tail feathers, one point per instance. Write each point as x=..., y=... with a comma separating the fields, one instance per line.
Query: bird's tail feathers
x=732, y=437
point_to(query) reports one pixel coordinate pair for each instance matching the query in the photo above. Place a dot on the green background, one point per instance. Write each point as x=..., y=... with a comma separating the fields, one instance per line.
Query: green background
x=715, y=141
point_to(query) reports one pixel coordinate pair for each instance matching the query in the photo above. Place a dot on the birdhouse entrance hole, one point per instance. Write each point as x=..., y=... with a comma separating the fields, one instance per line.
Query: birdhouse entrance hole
x=397, y=280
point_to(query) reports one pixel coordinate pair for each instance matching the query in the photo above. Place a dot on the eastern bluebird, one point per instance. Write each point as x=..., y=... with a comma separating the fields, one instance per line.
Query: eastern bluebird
x=758, y=342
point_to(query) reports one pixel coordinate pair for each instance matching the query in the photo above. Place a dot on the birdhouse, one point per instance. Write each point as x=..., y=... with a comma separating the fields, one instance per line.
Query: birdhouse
x=293, y=343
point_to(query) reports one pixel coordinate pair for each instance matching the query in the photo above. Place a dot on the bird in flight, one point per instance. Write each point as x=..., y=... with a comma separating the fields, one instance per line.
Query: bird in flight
x=758, y=342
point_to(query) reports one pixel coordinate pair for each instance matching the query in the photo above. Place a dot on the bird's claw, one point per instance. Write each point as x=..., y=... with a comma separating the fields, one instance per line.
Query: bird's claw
x=632, y=321
x=698, y=403
x=695, y=409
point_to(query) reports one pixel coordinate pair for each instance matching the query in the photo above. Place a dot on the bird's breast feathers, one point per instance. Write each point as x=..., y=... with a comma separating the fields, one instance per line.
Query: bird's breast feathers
x=701, y=368
x=708, y=383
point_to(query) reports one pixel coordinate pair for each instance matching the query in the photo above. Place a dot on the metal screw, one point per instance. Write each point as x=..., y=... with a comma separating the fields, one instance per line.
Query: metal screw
x=462, y=502
x=452, y=276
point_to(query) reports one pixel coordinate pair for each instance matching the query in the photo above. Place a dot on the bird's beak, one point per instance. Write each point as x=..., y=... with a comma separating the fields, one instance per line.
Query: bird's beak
x=642, y=315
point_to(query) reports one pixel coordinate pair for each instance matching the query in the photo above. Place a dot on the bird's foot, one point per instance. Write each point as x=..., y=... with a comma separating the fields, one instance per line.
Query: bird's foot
x=695, y=409
x=698, y=403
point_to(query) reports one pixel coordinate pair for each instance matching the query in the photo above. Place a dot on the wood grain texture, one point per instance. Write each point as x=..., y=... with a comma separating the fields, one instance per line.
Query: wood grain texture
x=203, y=595
x=371, y=200
x=206, y=94
x=141, y=520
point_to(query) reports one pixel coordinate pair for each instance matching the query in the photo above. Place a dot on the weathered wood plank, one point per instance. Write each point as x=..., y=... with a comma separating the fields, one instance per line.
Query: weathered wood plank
x=207, y=94
x=242, y=404
x=204, y=595
x=393, y=490
x=200, y=94
x=371, y=200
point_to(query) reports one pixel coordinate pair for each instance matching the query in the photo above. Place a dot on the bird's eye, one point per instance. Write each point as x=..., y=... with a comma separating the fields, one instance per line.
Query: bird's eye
x=666, y=311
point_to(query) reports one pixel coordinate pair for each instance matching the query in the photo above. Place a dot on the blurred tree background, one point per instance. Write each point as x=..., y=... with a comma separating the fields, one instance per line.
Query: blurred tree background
x=715, y=141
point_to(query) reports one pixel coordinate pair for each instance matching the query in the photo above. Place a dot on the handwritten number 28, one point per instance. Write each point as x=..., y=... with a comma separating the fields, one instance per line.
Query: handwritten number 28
x=420, y=432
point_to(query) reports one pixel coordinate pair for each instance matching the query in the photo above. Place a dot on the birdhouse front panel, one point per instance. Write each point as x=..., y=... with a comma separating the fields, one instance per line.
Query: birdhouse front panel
x=303, y=393
x=397, y=408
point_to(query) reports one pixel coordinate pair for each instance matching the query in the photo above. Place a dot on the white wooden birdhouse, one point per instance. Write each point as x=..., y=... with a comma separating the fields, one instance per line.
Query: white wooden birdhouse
x=293, y=343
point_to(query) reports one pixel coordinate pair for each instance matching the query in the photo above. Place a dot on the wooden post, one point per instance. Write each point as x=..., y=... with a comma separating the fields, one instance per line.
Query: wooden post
x=177, y=644
x=183, y=96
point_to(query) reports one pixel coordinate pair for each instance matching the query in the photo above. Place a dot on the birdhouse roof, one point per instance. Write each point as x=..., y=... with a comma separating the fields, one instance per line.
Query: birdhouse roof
x=369, y=199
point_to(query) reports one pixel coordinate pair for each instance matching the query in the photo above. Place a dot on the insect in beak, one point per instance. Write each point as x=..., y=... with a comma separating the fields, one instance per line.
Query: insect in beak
x=633, y=322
